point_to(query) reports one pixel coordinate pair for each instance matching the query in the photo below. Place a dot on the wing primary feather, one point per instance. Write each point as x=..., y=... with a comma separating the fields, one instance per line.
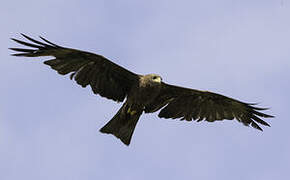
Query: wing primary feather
x=22, y=50
x=27, y=44
x=49, y=42
x=257, y=119
x=22, y=54
x=258, y=108
x=35, y=41
x=255, y=125
x=261, y=114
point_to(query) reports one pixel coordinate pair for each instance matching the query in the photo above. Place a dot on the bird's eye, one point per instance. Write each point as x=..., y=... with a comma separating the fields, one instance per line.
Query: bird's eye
x=154, y=77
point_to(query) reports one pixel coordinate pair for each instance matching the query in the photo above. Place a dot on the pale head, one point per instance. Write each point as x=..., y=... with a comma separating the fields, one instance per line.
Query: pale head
x=150, y=79
x=154, y=77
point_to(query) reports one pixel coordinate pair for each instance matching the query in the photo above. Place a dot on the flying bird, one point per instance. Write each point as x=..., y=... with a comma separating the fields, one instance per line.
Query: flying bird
x=141, y=93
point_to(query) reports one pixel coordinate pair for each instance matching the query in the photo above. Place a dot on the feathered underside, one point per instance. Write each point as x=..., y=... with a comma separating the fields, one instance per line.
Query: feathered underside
x=105, y=77
x=189, y=104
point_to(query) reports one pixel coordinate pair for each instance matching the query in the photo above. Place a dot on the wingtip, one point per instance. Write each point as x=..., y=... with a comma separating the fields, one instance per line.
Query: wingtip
x=41, y=37
x=47, y=41
x=12, y=50
x=27, y=37
x=22, y=34
x=253, y=106
x=266, y=115
x=13, y=39
x=19, y=54
x=270, y=116
x=257, y=127
x=266, y=124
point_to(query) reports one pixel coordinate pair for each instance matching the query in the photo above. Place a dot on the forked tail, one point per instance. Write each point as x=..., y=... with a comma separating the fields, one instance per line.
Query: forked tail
x=122, y=125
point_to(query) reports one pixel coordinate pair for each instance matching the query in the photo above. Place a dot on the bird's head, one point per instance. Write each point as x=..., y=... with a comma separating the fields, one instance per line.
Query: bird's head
x=154, y=78
x=151, y=80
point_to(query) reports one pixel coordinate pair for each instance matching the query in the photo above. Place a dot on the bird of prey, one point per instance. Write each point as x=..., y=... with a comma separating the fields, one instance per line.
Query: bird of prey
x=142, y=93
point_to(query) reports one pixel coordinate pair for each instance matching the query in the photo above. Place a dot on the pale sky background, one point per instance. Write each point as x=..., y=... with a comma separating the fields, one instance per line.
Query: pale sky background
x=49, y=126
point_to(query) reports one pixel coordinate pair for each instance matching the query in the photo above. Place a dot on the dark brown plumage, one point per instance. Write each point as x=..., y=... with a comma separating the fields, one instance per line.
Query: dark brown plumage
x=143, y=93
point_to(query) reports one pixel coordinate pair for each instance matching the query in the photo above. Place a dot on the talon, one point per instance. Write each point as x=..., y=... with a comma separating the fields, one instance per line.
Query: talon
x=133, y=112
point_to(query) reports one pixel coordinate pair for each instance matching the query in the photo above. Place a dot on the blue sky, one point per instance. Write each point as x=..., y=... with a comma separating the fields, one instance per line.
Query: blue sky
x=49, y=125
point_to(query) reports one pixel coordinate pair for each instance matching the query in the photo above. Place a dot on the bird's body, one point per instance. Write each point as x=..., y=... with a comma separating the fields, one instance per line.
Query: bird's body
x=142, y=93
x=147, y=90
x=140, y=96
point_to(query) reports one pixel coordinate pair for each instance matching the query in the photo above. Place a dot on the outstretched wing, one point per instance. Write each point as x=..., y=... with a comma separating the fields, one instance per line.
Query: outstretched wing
x=190, y=104
x=105, y=77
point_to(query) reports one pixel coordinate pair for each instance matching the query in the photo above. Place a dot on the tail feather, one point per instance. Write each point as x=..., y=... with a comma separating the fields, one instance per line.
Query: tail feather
x=123, y=124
